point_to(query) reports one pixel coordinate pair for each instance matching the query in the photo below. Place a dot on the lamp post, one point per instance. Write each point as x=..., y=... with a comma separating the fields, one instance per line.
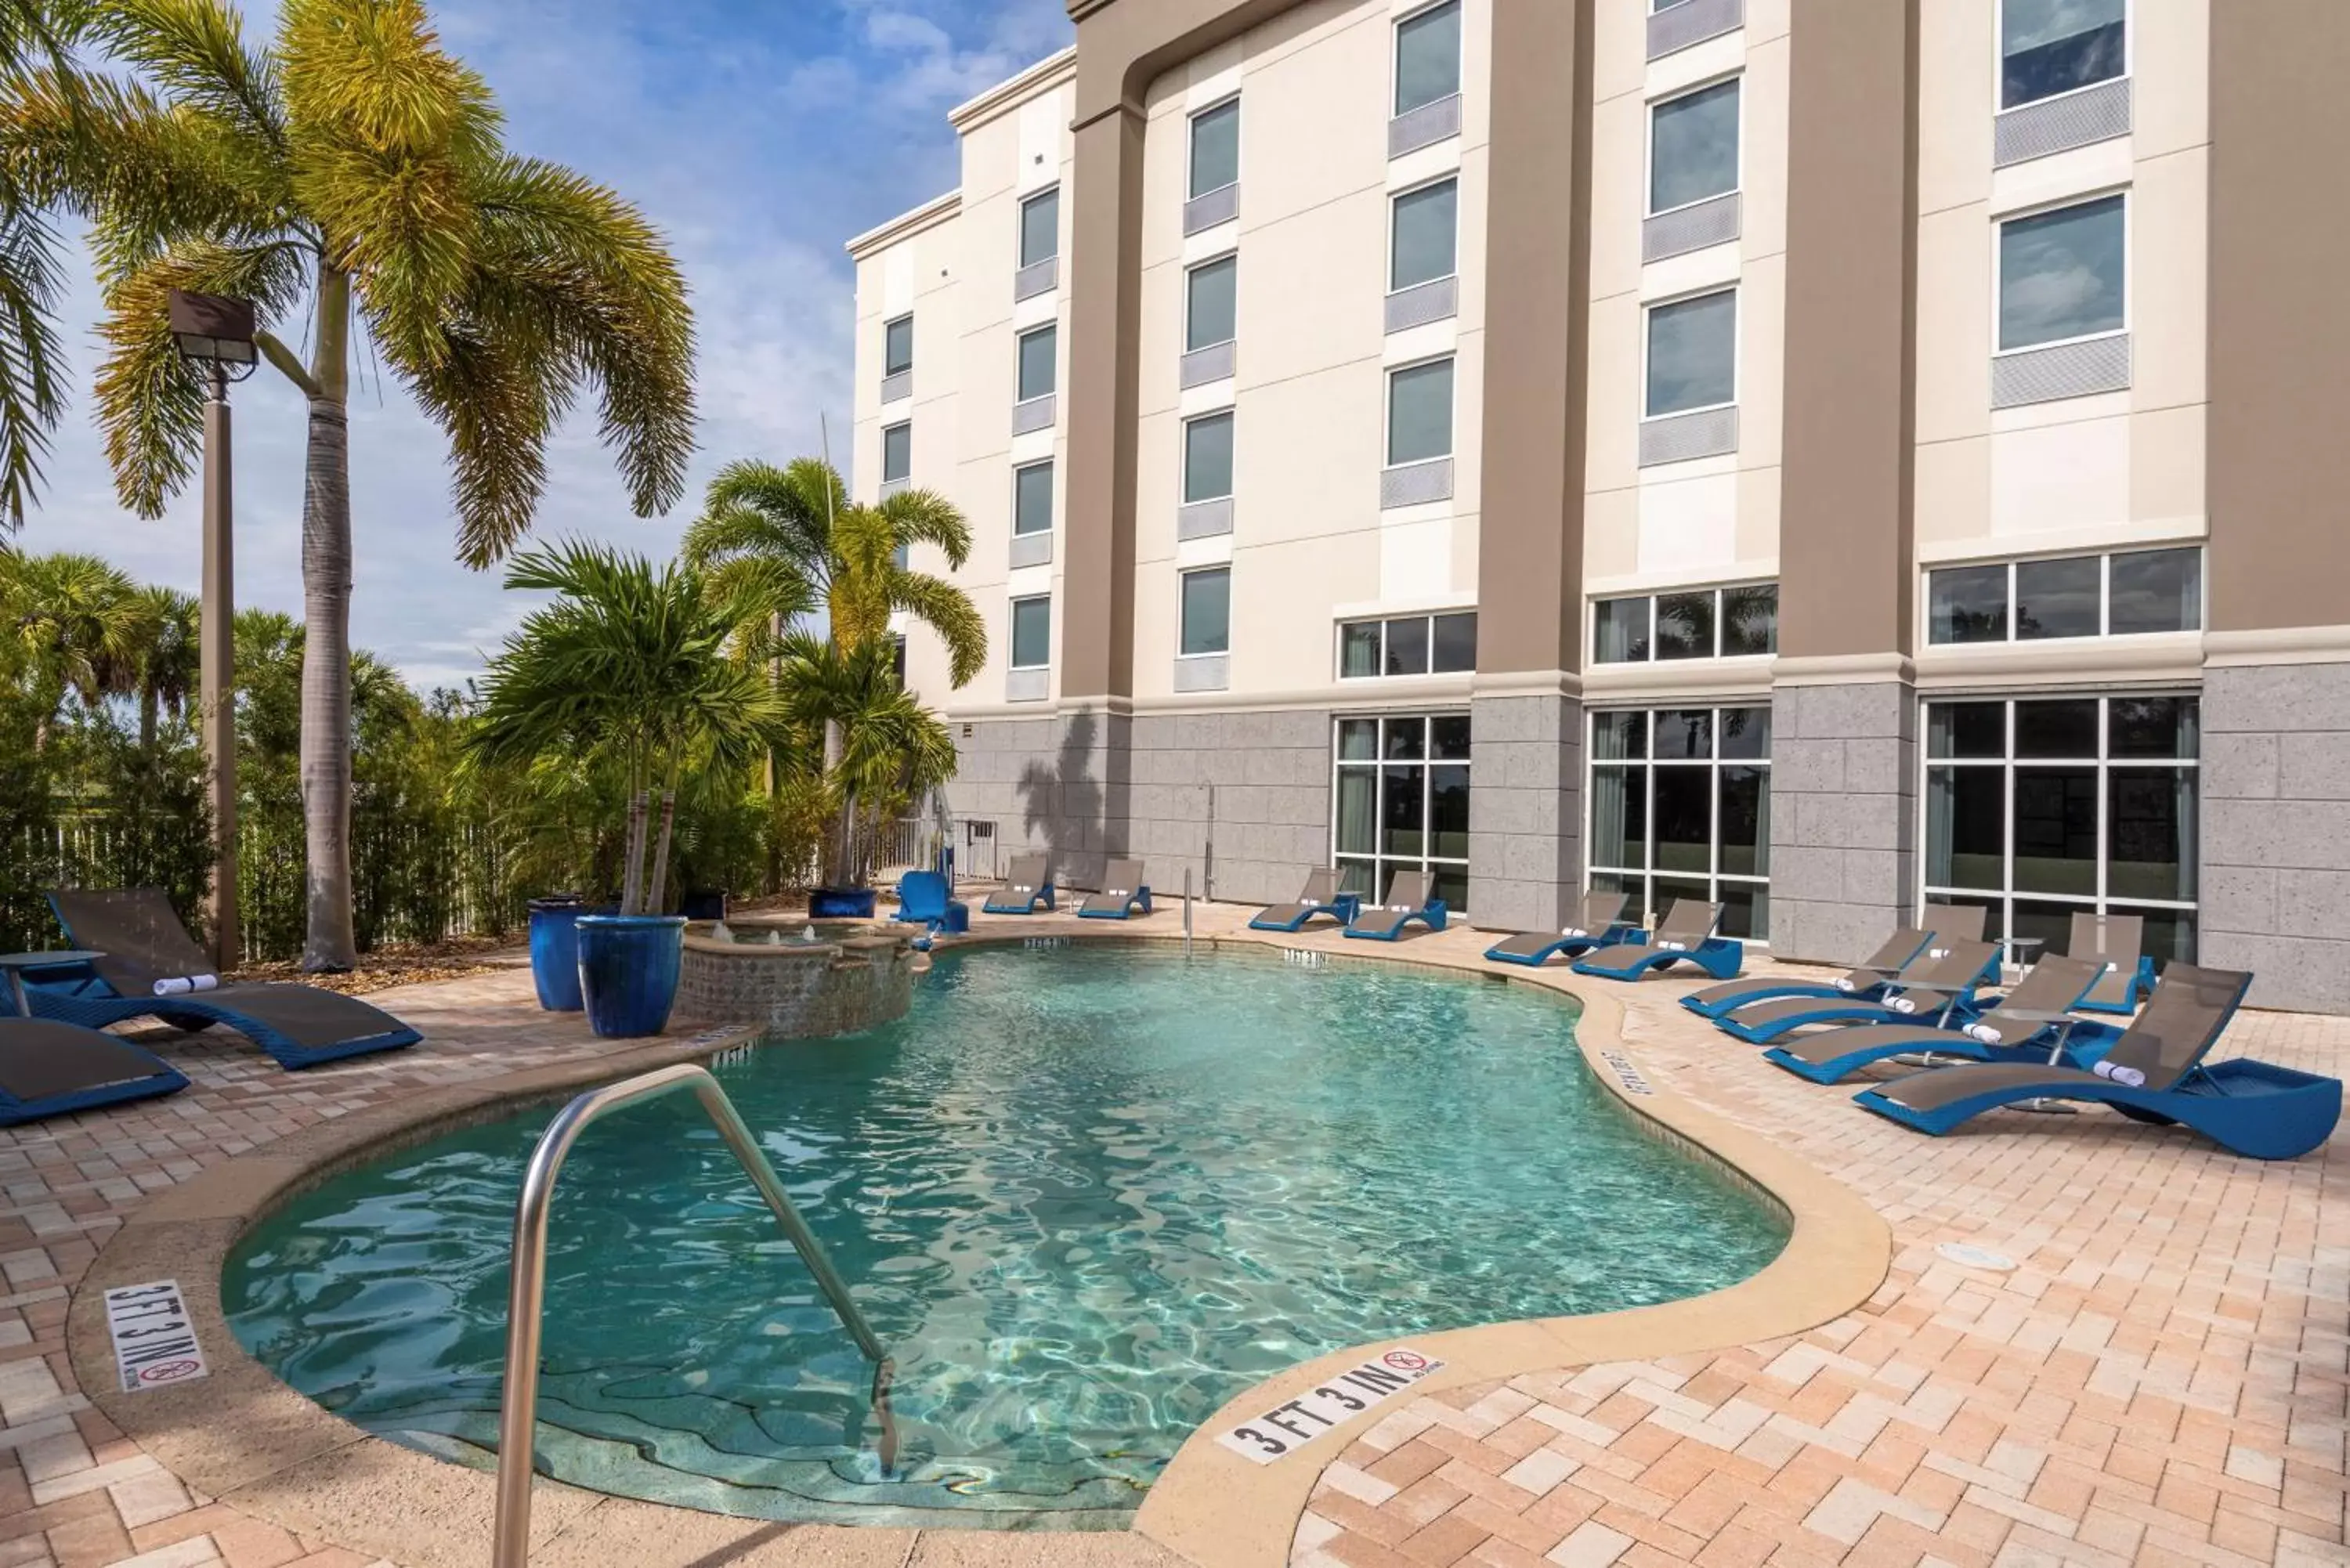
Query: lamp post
x=216, y=336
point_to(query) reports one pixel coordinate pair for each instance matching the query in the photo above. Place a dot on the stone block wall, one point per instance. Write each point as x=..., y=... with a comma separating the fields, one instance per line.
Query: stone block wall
x=1059, y=783
x=1241, y=800
x=1844, y=816
x=1525, y=811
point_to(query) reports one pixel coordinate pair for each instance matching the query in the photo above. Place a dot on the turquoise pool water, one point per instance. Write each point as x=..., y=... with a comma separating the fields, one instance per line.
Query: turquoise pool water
x=1085, y=1195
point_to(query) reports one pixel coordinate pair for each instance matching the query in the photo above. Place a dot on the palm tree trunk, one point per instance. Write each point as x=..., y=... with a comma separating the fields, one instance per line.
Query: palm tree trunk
x=149, y=701
x=632, y=853
x=657, y=885
x=326, y=640
x=836, y=746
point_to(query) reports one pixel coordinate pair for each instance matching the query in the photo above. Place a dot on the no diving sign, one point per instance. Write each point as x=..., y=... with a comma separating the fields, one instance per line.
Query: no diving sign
x=1287, y=1427
x=154, y=1340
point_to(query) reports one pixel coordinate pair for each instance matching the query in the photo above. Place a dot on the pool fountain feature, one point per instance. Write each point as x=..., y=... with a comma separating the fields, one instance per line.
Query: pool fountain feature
x=795, y=979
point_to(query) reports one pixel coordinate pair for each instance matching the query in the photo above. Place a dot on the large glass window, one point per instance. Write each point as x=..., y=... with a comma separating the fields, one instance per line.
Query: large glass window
x=1399, y=802
x=1693, y=354
x=1426, y=236
x=2061, y=274
x=1032, y=498
x=1419, y=413
x=1032, y=633
x=1427, y=57
x=1697, y=623
x=2042, y=808
x=1040, y=369
x=1693, y=147
x=1681, y=808
x=1407, y=645
x=1040, y=227
x=2123, y=595
x=1207, y=611
x=896, y=454
x=1208, y=459
x=1210, y=304
x=1216, y=147
x=897, y=345
x=2051, y=47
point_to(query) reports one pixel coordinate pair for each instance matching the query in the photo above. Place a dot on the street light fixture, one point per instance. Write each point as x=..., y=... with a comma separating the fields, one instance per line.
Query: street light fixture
x=217, y=334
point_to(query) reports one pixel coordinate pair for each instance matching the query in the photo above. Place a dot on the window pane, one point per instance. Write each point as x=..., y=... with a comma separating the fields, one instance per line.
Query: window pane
x=2065, y=728
x=1448, y=813
x=1039, y=373
x=897, y=345
x=1619, y=735
x=2055, y=46
x=1419, y=413
x=1620, y=630
x=1633, y=888
x=1216, y=148
x=2157, y=591
x=1693, y=148
x=1455, y=644
x=1745, y=821
x=1670, y=889
x=897, y=451
x=1619, y=817
x=2051, y=924
x=2056, y=830
x=2057, y=598
x=1403, y=812
x=1966, y=729
x=1208, y=611
x=1966, y=833
x=1213, y=292
x=1427, y=230
x=1967, y=604
x=1749, y=619
x=1208, y=459
x=1407, y=739
x=2060, y=273
x=1359, y=649
x=1685, y=625
x=1745, y=732
x=1032, y=498
x=1408, y=646
x=1745, y=910
x=1040, y=227
x=1451, y=886
x=1684, y=734
x=1427, y=58
x=1449, y=738
x=2161, y=727
x=1693, y=354
x=1032, y=633
x=1358, y=739
x=1357, y=800
x=2170, y=934
x=1684, y=819
x=2150, y=833
x=1357, y=876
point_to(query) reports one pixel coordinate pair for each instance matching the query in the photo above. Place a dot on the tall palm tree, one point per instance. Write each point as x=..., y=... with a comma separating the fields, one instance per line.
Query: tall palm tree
x=891, y=751
x=167, y=657
x=75, y=626
x=351, y=173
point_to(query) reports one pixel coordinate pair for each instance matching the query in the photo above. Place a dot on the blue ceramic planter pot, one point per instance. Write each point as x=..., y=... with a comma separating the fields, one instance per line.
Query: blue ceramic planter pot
x=627, y=971
x=840, y=903
x=555, y=952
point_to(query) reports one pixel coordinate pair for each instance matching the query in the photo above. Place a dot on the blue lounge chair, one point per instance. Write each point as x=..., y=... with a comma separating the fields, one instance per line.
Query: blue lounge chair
x=922, y=900
x=2154, y=1072
x=51, y=1069
x=1123, y=891
x=143, y=964
x=1685, y=937
x=1598, y=922
x=1318, y=900
x=2116, y=942
x=1944, y=924
x=1028, y=888
x=1409, y=898
x=1935, y=994
x=2033, y=1022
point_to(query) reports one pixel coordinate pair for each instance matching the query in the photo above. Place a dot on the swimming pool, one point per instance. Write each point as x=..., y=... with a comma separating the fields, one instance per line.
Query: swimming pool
x=1085, y=1195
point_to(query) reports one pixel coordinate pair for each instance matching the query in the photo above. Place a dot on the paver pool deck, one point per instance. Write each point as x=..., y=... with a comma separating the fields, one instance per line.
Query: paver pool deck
x=2161, y=1378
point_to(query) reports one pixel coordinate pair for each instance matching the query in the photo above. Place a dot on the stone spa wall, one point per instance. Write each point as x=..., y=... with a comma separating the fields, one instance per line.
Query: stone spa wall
x=796, y=989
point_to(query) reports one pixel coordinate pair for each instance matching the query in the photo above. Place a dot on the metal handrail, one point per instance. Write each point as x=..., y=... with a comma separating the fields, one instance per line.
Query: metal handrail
x=518, y=1410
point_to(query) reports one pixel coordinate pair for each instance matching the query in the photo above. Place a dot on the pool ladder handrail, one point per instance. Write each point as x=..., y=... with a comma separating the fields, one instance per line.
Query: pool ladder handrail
x=526, y=1298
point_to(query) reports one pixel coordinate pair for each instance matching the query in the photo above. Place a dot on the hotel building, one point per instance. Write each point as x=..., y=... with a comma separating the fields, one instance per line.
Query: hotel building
x=1814, y=455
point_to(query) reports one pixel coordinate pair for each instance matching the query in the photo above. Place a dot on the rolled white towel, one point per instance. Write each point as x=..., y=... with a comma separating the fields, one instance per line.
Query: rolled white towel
x=1903, y=1005
x=1843, y=982
x=1672, y=946
x=1572, y=931
x=2127, y=1077
x=1986, y=1033
x=1937, y=952
x=182, y=984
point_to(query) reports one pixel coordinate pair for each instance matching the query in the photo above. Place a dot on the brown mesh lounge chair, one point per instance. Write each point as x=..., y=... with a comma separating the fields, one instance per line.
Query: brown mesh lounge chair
x=50, y=1069
x=1686, y=937
x=1908, y=947
x=2031, y=1024
x=1319, y=898
x=2116, y=942
x=1124, y=890
x=2154, y=1072
x=1921, y=994
x=1028, y=884
x=1598, y=922
x=145, y=965
x=1411, y=896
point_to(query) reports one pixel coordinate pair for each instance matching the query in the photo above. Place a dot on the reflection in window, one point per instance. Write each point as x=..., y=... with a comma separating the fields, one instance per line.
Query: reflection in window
x=1680, y=807
x=1216, y=147
x=897, y=345
x=1427, y=57
x=1040, y=227
x=1039, y=363
x=1032, y=633
x=1693, y=354
x=2130, y=593
x=896, y=454
x=2051, y=47
x=1207, y=617
x=2061, y=274
x=1212, y=294
x=1409, y=645
x=1419, y=413
x=2156, y=590
x=2057, y=598
x=1400, y=802
x=1693, y=147
x=1032, y=498
x=1699, y=623
x=1426, y=236
x=1208, y=459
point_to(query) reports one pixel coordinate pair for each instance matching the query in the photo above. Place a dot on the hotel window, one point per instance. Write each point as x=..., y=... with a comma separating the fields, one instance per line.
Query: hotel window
x=2042, y=808
x=1208, y=459
x=1210, y=304
x=1425, y=235
x=1419, y=413
x=897, y=346
x=1032, y=632
x=1216, y=148
x=2122, y=595
x=1693, y=147
x=2062, y=274
x=1692, y=354
x=1207, y=612
x=1699, y=623
x=897, y=454
x=1040, y=227
x=1407, y=645
x=1399, y=802
x=1681, y=808
x=2052, y=47
x=1032, y=498
x=1039, y=363
x=1427, y=57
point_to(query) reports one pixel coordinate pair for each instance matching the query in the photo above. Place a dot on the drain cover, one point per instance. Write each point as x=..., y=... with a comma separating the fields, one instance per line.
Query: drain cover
x=1967, y=1255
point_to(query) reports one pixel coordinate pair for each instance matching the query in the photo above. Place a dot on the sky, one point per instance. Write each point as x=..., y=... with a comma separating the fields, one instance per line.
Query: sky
x=758, y=134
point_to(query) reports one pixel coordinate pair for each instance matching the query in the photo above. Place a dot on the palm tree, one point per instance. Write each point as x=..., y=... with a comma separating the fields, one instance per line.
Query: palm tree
x=628, y=666
x=351, y=172
x=168, y=659
x=73, y=625
x=891, y=750
x=34, y=35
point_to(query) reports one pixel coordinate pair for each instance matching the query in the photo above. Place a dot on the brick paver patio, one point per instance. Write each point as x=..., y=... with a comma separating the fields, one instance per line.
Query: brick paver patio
x=2161, y=1379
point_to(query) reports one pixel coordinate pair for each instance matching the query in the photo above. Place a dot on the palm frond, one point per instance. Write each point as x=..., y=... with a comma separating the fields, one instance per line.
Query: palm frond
x=32, y=397
x=926, y=518
x=498, y=411
x=195, y=51
x=756, y=508
x=947, y=611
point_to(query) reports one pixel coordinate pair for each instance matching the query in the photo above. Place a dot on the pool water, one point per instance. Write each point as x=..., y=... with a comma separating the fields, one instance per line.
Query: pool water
x=1084, y=1197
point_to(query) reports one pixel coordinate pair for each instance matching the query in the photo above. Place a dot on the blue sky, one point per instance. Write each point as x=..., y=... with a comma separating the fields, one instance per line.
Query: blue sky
x=759, y=134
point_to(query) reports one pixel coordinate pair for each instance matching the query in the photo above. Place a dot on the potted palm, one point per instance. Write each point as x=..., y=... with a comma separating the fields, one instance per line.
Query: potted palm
x=627, y=668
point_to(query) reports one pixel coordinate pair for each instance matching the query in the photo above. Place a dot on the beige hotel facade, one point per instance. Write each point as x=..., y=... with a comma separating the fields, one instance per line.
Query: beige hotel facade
x=1815, y=455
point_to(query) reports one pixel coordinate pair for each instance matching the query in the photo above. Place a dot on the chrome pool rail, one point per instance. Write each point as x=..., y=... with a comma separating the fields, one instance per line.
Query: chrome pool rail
x=526, y=1297
x=1187, y=911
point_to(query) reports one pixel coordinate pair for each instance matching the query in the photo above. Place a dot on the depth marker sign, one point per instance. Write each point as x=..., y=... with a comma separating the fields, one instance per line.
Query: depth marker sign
x=154, y=1341
x=1285, y=1429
